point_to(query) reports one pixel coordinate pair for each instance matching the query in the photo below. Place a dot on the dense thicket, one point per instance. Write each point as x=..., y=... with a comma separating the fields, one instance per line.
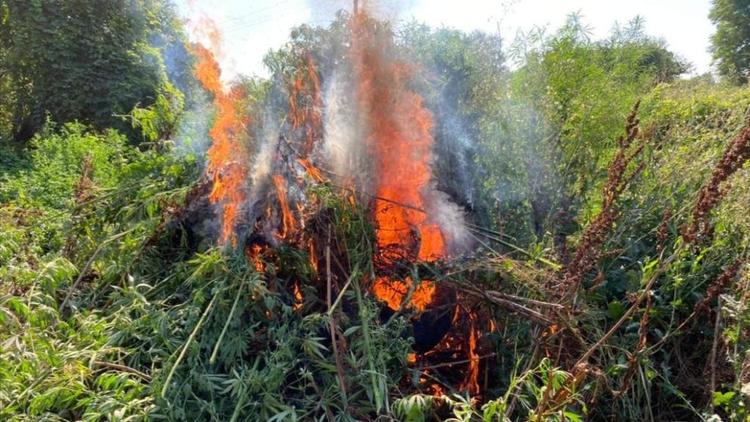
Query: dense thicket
x=81, y=60
x=115, y=303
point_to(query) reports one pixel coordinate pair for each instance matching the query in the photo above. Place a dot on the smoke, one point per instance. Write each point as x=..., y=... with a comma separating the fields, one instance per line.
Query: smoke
x=262, y=166
x=384, y=10
x=454, y=149
x=348, y=158
x=343, y=146
x=368, y=129
x=379, y=137
x=451, y=218
x=191, y=136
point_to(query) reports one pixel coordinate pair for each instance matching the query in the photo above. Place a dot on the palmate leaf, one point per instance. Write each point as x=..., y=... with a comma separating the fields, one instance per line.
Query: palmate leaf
x=313, y=347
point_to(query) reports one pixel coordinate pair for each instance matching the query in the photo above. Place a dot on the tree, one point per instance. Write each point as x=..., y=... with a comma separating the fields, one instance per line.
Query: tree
x=561, y=117
x=6, y=100
x=730, y=45
x=80, y=60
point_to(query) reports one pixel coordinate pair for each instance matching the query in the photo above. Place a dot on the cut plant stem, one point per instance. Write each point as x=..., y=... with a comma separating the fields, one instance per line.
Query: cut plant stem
x=332, y=327
x=186, y=345
x=212, y=360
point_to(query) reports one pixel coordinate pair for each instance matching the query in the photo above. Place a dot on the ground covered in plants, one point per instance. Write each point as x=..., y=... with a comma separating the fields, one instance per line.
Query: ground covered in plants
x=399, y=223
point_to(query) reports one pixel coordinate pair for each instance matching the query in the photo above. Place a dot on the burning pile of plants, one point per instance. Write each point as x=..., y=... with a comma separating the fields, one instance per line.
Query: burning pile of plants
x=366, y=142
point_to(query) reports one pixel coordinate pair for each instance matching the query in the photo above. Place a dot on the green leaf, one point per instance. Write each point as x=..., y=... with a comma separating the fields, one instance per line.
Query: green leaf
x=615, y=309
x=720, y=399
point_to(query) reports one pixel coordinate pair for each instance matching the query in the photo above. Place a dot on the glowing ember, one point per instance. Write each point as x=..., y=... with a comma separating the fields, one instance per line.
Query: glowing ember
x=288, y=222
x=226, y=156
x=313, y=257
x=400, y=139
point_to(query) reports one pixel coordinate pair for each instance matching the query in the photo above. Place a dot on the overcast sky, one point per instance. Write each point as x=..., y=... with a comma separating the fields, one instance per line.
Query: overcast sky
x=252, y=27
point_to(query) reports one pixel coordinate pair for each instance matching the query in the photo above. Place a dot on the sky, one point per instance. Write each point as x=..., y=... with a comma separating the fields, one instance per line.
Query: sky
x=253, y=27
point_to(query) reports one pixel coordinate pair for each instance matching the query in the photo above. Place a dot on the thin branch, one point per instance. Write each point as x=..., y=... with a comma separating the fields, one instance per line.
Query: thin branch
x=123, y=368
x=459, y=362
x=88, y=265
x=626, y=316
x=715, y=346
x=332, y=324
x=187, y=345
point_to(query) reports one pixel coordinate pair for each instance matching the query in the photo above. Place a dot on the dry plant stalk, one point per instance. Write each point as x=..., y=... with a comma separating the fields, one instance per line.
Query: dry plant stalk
x=734, y=158
x=662, y=232
x=639, y=347
x=83, y=193
x=589, y=250
x=718, y=285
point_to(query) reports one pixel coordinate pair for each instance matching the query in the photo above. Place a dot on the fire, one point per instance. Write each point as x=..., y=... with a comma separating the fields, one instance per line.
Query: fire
x=298, y=298
x=400, y=140
x=392, y=292
x=305, y=108
x=306, y=105
x=288, y=222
x=471, y=384
x=254, y=255
x=311, y=170
x=313, y=257
x=397, y=129
x=226, y=157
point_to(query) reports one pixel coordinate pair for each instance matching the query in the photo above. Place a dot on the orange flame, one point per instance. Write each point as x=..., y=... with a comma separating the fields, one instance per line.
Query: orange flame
x=313, y=257
x=401, y=141
x=288, y=222
x=306, y=105
x=411, y=358
x=226, y=157
x=393, y=292
x=298, y=298
x=253, y=254
x=471, y=384
x=305, y=108
x=311, y=170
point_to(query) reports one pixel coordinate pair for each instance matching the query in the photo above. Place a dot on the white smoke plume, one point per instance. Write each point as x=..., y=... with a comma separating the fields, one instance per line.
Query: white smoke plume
x=451, y=219
x=344, y=138
x=262, y=166
x=385, y=10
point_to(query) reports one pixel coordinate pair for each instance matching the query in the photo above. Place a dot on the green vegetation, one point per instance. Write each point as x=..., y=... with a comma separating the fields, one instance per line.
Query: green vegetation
x=83, y=61
x=613, y=262
x=730, y=42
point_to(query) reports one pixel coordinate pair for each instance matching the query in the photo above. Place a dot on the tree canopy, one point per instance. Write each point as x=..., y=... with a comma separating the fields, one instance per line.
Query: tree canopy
x=730, y=44
x=80, y=60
